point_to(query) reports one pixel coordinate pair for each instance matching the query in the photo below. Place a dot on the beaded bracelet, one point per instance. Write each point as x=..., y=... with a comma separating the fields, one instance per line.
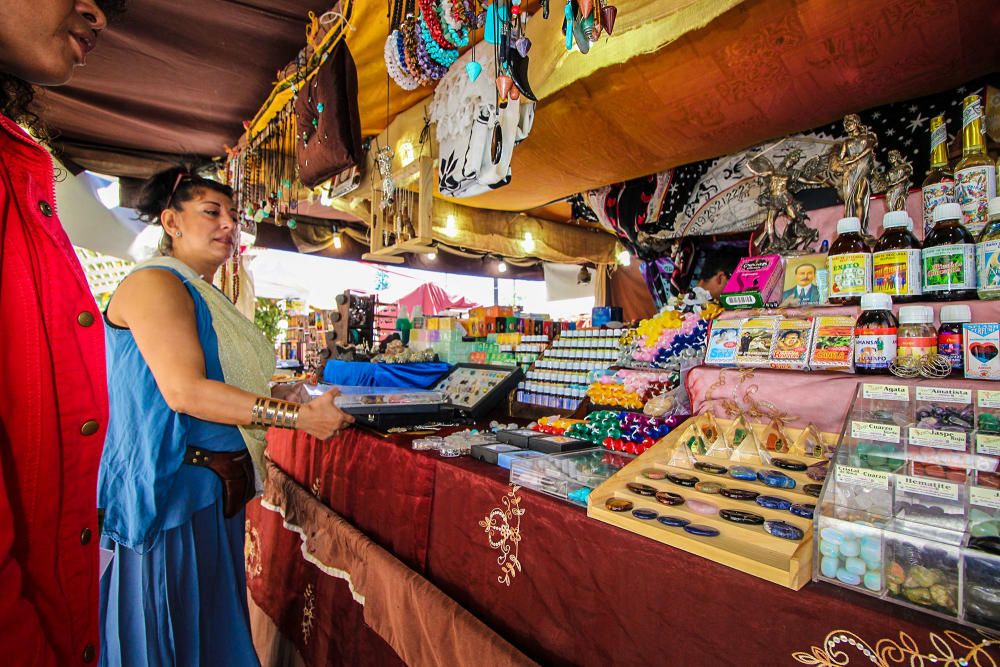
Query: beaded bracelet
x=447, y=12
x=443, y=56
x=411, y=48
x=458, y=37
x=427, y=65
x=430, y=18
x=392, y=64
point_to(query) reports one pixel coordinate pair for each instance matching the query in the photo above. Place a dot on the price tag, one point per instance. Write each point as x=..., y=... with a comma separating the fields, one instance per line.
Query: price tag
x=944, y=395
x=875, y=431
x=988, y=399
x=984, y=497
x=988, y=444
x=927, y=487
x=869, y=479
x=928, y=437
x=886, y=392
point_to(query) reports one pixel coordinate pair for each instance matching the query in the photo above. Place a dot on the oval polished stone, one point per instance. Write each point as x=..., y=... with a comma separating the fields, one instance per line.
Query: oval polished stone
x=785, y=531
x=739, y=516
x=774, y=503
x=812, y=490
x=702, y=507
x=701, y=531
x=669, y=498
x=653, y=473
x=708, y=487
x=644, y=514
x=641, y=489
x=744, y=473
x=618, y=505
x=711, y=468
x=804, y=510
x=739, y=494
x=788, y=464
x=673, y=521
x=778, y=480
x=682, y=479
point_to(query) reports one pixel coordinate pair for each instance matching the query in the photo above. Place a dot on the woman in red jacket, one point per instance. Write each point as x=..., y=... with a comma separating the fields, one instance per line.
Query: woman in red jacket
x=53, y=396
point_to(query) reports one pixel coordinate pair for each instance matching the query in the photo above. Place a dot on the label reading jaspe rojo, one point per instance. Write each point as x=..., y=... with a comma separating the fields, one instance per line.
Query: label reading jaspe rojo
x=850, y=274
x=948, y=267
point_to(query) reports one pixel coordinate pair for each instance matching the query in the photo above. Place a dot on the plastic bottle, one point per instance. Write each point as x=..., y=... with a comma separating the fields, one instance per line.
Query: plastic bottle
x=849, y=264
x=875, y=335
x=403, y=325
x=896, y=261
x=916, y=336
x=950, y=343
x=988, y=254
x=949, y=257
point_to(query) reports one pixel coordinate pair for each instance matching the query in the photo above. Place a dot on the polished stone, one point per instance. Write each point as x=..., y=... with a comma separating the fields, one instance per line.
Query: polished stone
x=778, y=480
x=645, y=514
x=812, y=490
x=739, y=494
x=711, y=468
x=850, y=548
x=701, y=531
x=788, y=464
x=669, y=498
x=618, y=505
x=744, y=473
x=828, y=566
x=873, y=580
x=653, y=473
x=674, y=521
x=774, y=503
x=682, y=479
x=702, y=507
x=785, y=531
x=708, y=487
x=804, y=510
x=641, y=489
x=739, y=516
x=847, y=577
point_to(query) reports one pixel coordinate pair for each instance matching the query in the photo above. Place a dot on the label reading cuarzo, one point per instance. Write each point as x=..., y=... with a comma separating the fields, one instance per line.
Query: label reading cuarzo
x=935, y=195
x=974, y=187
x=988, y=262
x=886, y=392
x=874, y=347
x=988, y=444
x=896, y=272
x=944, y=395
x=850, y=274
x=875, y=431
x=869, y=479
x=928, y=437
x=986, y=398
x=984, y=497
x=927, y=487
x=948, y=267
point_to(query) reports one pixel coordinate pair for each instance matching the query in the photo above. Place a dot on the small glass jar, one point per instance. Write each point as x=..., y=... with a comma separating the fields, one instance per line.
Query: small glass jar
x=916, y=336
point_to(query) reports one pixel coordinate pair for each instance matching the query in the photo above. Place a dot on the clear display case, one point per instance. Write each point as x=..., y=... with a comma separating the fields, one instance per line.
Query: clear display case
x=911, y=510
x=569, y=475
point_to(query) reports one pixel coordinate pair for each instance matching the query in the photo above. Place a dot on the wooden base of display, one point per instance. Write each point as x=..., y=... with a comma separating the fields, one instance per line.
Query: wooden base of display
x=747, y=548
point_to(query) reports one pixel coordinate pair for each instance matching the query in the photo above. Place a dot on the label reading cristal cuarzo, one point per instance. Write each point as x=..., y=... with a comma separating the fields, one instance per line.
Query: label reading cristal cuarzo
x=850, y=274
x=874, y=347
x=944, y=394
x=986, y=398
x=875, y=431
x=988, y=444
x=869, y=479
x=928, y=437
x=896, y=272
x=935, y=195
x=948, y=267
x=927, y=487
x=984, y=497
x=974, y=187
x=886, y=392
x=988, y=263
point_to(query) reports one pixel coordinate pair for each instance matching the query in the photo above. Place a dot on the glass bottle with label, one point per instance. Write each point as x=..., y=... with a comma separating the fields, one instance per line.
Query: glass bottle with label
x=849, y=264
x=939, y=185
x=916, y=336
x=875, y=335
x=975, y=173
x=988, y=254
x=950, y=334
x=949, y=257
x=896, y=261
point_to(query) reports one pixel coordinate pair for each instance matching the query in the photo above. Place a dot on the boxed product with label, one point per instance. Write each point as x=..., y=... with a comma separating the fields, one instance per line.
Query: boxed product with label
x=833, y=343
x=790, y=348
x=756, y=339
x=982, y=346
x=755, y=283
x=723, y=341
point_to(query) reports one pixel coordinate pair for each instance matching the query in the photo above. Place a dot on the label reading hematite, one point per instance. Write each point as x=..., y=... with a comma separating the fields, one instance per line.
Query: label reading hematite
x=887, y=392
x=874, y=431
x=988, y=444
x=944, y=394
x=928, y=437
x=988, y=399
x=984, y=497
x=927, y=487
x=869, y=479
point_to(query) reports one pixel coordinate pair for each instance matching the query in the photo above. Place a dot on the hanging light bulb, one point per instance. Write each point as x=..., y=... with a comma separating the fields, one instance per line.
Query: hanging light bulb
x=501, y=266
x=450, y=227
x=432, y=255
x=528, y=243
x=624, y=258
x=338, y=242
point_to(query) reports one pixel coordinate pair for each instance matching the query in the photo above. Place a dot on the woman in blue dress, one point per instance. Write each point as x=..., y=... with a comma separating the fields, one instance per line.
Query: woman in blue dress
x=188, y=388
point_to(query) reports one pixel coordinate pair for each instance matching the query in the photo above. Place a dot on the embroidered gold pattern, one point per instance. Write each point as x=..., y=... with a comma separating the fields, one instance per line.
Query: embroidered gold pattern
x=308, y=612
x=950, y=650
x=251, y=552
x=503, y=529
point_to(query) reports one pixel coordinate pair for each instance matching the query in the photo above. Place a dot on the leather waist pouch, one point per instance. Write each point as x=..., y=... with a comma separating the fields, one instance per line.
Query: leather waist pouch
x=234, y=470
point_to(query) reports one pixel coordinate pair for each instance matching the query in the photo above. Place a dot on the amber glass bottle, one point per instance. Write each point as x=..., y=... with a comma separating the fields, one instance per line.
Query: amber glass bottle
x=849, y=264
x=896, y=261
x=949, y=257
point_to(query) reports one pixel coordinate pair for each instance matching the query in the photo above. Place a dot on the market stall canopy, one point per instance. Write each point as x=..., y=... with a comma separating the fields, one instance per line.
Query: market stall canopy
x=433, y=300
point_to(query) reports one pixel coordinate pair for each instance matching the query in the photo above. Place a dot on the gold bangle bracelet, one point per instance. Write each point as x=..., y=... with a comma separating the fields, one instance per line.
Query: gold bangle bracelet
x=273, y=412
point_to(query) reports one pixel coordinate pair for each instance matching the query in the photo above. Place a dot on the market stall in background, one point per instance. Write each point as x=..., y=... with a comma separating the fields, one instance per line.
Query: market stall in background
x=669, y=327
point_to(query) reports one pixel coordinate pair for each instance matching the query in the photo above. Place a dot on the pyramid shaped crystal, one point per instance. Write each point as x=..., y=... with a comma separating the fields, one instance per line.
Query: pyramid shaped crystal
x=746, y=447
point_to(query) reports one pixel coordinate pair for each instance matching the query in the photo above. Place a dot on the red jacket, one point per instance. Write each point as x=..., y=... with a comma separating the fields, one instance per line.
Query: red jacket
x=53, y=415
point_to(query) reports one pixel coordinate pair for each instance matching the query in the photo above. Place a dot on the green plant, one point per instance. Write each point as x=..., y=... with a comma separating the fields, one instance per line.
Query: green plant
x=266, y=315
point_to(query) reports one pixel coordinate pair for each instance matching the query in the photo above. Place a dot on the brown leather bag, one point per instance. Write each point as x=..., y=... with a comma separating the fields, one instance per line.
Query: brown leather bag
x=234, y=470
x=328, y=121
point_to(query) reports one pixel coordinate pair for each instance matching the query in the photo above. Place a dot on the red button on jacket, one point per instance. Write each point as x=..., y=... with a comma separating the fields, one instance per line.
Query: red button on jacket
x=52, y=382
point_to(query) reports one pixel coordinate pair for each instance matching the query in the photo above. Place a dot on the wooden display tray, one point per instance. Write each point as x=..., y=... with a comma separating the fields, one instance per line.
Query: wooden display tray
x=742, y=547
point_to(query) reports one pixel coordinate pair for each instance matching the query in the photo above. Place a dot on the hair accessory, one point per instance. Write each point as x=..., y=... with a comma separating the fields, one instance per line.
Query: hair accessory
x=180, y=177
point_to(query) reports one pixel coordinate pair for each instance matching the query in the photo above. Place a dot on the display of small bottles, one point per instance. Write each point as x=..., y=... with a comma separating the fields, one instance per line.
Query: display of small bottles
x=939, y=185
x=975, y=173
x=557, y=397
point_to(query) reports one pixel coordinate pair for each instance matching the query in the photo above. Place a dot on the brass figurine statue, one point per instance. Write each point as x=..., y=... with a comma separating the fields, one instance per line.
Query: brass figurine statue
x=895, y=181
x=850, y=164
x=780, y=182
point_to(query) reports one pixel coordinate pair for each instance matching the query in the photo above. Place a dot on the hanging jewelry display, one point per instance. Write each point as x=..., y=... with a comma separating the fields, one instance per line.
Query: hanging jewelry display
x=584, y=21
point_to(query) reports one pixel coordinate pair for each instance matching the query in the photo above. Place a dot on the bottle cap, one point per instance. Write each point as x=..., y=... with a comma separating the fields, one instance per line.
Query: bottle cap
x=949, y=211
x=876, y=301
x=916, y=314
x=994, y=207
x=897, y=219
x=956, y=313
x=849, y=225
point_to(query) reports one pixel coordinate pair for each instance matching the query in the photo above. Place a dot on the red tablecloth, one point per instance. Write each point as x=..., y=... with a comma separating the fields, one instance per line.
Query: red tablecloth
x=576, y=591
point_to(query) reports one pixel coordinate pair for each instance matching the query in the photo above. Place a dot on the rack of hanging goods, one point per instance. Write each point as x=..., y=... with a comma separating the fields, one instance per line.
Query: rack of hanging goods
x=425, y=40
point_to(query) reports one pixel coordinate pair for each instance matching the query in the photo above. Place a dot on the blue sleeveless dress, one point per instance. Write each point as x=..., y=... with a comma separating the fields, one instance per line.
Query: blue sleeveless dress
x=175, y=593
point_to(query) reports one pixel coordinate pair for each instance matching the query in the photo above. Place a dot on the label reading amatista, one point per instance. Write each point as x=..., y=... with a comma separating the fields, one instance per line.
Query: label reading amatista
x=886, y=392
x=875, y=431
x=925, y=486
x=982, y=496
x=869, y=479
x=988, y=444
x=928, y=437
x=944, y=395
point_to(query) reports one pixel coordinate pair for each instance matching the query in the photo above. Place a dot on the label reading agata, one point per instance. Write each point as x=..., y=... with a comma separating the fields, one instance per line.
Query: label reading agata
x=984, y=497
x=850, y=274
x=928, y=437
x=875, y=431
x=988, y=444
x=944, y=395
x=869, y=479
x=886, y=392
x=948, y=267
x=925, y=486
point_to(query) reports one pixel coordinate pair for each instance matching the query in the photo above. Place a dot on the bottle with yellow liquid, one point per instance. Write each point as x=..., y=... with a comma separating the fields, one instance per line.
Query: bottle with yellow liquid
x=975, y=173
x=939, y=185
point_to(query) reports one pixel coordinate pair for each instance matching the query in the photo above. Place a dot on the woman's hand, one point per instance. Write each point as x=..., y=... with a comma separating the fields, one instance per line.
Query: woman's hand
x=322, y=419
